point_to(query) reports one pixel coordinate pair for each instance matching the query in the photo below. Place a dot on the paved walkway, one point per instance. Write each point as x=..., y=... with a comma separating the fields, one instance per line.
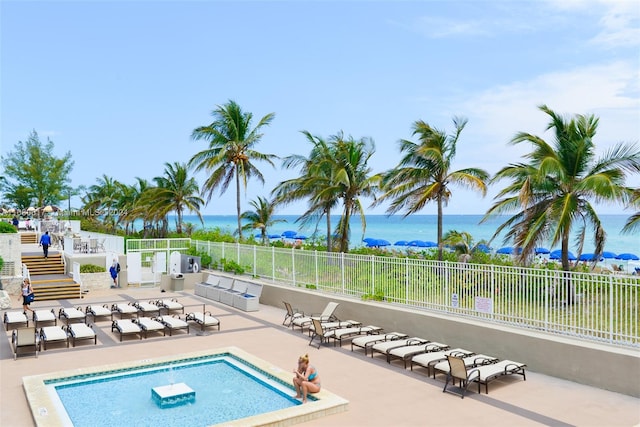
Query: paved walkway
x=379, y=394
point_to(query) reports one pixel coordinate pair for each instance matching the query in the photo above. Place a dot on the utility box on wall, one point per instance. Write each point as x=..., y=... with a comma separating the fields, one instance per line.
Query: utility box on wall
x=189, y=264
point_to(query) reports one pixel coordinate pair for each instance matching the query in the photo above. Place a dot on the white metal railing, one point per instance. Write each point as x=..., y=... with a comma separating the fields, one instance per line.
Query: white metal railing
x=596, y=307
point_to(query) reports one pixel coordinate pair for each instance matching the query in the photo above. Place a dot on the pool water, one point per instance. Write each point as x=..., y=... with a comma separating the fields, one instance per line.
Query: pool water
x=226, y=389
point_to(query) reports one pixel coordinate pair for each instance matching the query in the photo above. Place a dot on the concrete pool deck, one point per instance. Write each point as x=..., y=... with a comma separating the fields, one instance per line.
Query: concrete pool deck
x=379, y=394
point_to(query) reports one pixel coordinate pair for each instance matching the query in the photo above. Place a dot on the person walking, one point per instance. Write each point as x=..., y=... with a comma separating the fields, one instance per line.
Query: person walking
x=45, y=242
x=27, y=290
x=114, y=270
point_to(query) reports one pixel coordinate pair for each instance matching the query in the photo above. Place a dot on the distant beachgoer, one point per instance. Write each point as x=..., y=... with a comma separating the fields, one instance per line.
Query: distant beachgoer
x=15, y=222
x=114, y=270
x=306, y=379
x=45, y=242
x=26, y=290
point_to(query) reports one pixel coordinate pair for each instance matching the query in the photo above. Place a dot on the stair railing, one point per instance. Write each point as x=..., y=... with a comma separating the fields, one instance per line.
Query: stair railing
x=25, y=272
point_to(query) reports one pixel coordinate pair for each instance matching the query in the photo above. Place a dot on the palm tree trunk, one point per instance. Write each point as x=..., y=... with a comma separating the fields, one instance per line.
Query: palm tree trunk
x=238, y=203
x=439, y=228
x=329, y=238
x=566, y=267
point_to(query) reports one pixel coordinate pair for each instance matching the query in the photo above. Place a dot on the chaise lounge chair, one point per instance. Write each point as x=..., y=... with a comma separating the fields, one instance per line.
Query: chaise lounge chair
x=53, y=334
x=13, y=317
x=326, y=316
x=147, y=324
x=353, y=331
x=97, y=311
x=471, y=361
x=170, y=305
x=482, y=374
x=24, y=338
x=173, y=323
x=123, y=309
x=368, y=341
x=386, y=346
x=44, y=316
x=203, y=319
x=147, y=308
x=290, y=314
x=407, y=352
x=72, y=314
x=427, y=360
x=126, y=327
x=81, y=331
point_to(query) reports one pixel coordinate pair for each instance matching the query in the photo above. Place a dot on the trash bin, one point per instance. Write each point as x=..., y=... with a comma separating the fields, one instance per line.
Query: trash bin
x=177, y=282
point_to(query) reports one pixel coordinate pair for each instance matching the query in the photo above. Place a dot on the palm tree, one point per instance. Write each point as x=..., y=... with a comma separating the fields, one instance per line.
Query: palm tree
x=261, y=218
x=633, y=223
x=313, y=183
x=552, y=194
x=103, y=197
x=424, y=173
x=231, y=151
x=176, y=191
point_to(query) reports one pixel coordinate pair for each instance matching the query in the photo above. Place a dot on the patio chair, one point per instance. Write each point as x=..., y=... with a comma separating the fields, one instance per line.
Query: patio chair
x=81, y=331
x=203, y=319
x=471, y=361
x=318, y=331
x=170, y=305
x=123, y=309
x=24, y=338
x=53, y=334
x=147, y=324
x=349, y=332
x=126, y=327
x=481, y=374
x=386, y=347
x=93, y=245
x=77, y=244
x=328, y=326
x=290, y=314
x=97, y=311
x=367, y=341
x=326, y=316
x=13, y=317
x=407, y=352
x=71, y=314
x=172, y=323
x=100, y=247
x=44, y=316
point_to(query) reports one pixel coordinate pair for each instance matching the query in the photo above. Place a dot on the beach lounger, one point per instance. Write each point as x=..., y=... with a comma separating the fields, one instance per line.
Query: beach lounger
x=173, y=323
x=123, y=309
x=327, y=315
x=407, y=352
x=170, y=305
x=353, y=331
x=81, y=331
x=386, y=346
x=53, y=334
x=126, y=327
x=72, y=314
x=483, y=374
x=427, y=360
x=97, y=311
x=24, y=338
x=470, y=361
x=203, y=319
x=292, y=313
x=327, y=326
x=44, y=316
x=15, y=317
x=148, y=324
x=147, y=308
x=367, y=341
x=318, y=331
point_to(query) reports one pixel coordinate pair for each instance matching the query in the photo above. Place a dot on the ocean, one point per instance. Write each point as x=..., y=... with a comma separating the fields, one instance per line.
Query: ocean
x=424, y=227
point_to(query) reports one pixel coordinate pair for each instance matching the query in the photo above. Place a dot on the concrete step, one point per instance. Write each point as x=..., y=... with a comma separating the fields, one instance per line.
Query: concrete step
x=28, y=238
x=38, y=265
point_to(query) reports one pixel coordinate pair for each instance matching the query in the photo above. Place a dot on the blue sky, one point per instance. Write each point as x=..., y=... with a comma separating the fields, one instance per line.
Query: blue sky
x=121, y=85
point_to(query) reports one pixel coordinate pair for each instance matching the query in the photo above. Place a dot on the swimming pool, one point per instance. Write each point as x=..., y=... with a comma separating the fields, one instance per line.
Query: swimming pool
x=121, y=394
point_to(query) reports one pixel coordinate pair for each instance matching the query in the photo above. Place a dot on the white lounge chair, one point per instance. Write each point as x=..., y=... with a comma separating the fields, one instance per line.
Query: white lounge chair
x=81, y=331
x=291, y=314
x=170, y=305
x=126, y=327
x=44, y=316
x=52, y=334
x=97, y=311
x=15, y=317
x=172, y=323
x=386, y=346
x=407, y=352
x=367, y=341
x=427, y=360
x=24, y=338
x=327, y=315
x=147, y=308
x=71, y=314
x=470, y=361
x=204, y=319
x=350, y=332
x=483, y=374
x=123, y=309
x=148, y=324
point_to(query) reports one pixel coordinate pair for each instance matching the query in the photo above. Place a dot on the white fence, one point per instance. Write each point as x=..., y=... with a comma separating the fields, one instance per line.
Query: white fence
x=596, y=307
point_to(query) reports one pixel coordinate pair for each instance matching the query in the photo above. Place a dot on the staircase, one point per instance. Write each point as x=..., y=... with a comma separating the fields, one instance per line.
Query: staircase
x=38, y=265
x=28, y=238
x=56, y=288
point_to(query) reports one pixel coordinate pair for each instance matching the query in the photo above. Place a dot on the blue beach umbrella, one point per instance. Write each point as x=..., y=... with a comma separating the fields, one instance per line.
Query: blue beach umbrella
x=382, y=242
x=540, y=251
x=507, y=250
x=401, y=243
x=418, y=243
x=369, y=240
x=589, y=257
x=557, y=254
x=430, y=244
x=609, y=255
x=628, y=257
x=289, y=234
x=274, y=236
x=301, y=237
x=483, y=248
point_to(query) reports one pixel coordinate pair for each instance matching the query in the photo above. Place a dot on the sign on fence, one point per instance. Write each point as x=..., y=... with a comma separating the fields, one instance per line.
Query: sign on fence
x=454, y=301
x=484, y=305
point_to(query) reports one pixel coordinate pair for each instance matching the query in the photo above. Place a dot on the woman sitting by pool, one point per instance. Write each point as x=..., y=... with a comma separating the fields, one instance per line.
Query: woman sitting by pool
x=306, y=379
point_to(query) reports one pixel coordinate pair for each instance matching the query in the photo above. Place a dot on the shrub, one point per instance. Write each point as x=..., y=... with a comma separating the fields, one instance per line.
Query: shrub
x=92, y=268
x=5, y=227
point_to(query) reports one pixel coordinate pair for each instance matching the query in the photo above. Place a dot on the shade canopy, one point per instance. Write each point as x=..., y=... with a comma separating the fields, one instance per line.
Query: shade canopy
x=509, y=250
x=369, y=239
x=274, y=236
x=401, y=243
x=557, y=254
x=483, y=248
x=609, y=255
x=628, y=257
x=540, y=251
x=289, y=234
x=590, y=257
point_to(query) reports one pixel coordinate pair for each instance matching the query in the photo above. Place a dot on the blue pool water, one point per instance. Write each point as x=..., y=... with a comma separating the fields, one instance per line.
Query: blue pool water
x=226, y=390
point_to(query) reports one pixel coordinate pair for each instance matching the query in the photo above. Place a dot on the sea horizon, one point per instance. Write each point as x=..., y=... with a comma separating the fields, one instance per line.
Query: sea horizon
x=422, y=227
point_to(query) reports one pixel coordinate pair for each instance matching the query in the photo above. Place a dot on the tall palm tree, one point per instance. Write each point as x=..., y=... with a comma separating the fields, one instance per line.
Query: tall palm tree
x=552, y=193
x=104, y=196
x=176, y=191
x=633, y=222
x=424, y=173
x=231, y=151
x=261, y=218
x=313, y=183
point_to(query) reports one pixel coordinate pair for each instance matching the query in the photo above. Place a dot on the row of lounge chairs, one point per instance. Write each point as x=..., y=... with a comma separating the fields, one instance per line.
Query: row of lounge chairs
x=438, y=358
x=30, y=338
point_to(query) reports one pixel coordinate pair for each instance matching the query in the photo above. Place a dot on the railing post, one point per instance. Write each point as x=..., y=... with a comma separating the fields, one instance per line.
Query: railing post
x=342, y=269
x=315, y=253
x=273, y=263
x=611, y=311
x=255, y=263
x=373, y=275
x=293, y=265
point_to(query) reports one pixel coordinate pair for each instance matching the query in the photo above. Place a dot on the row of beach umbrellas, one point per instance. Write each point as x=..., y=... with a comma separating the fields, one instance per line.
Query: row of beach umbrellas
x=557, y=254
x=31, y=209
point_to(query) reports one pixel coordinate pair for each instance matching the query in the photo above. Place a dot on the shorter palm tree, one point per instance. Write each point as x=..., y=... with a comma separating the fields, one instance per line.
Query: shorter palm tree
x=633, y=222
x=261, y=218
